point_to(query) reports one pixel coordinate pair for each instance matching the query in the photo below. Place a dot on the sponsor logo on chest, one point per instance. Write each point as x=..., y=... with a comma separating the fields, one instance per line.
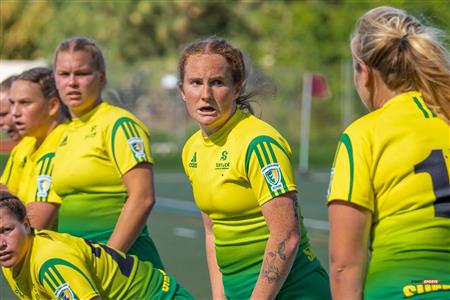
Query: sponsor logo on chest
x=223, y=163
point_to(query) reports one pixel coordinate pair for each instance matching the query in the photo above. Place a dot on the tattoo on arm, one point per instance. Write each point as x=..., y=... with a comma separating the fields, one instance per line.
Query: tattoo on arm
x=270, y=269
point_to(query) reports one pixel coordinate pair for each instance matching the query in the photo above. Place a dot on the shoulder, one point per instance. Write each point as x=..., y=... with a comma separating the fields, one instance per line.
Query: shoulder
x=26, y=145
x=252, y=132
x=116, y=117
x=191, y=143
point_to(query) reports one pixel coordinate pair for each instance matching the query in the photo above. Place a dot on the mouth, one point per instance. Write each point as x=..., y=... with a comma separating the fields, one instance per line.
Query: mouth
x=206, y=110
x=5, y=256
x=73, y=95
x=20, y=126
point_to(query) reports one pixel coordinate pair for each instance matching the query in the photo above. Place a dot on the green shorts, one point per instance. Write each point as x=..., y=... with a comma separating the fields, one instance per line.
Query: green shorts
x=144, y=248
x=313, y=286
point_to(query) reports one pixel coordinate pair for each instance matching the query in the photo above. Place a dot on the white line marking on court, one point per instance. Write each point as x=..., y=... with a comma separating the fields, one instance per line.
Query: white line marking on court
x=191, y=209
x=185, y=232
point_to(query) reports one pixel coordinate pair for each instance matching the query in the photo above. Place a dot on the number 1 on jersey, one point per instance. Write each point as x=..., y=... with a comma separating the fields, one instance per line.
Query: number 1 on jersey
x=434, y=165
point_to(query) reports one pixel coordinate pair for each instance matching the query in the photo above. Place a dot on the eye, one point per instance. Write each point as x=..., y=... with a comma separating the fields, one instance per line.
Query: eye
x=195, y=82
x=63, y=74
x=217, y=82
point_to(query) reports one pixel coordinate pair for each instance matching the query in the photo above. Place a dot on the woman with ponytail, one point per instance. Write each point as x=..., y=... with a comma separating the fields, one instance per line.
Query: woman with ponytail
x=389, y=195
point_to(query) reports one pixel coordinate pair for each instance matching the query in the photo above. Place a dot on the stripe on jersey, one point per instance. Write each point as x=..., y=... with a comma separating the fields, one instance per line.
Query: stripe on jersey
x=262, y=146
x=345, y=139
x=50, y=275
x=46, y=169
x=130, y=129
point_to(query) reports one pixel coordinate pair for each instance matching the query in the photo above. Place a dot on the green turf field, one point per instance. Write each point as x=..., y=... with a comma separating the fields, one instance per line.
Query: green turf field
x=176, y=228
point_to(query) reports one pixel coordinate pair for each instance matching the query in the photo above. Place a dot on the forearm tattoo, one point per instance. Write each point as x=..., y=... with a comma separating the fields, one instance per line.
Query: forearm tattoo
x=270, y=269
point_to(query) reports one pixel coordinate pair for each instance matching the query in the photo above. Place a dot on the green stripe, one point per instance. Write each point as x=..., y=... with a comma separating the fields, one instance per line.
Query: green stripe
x=262, y=141
x=52, y=263
x=61, y=279
x=283, y=181
x=432, y=112
x=52, y=287
x=260, y=160
x=425, y=113
x=253, y=147
x=120, y=123
x=52, y=278
x=345, y=139
x=10, y=169
x=266, y=156
x=125, y=130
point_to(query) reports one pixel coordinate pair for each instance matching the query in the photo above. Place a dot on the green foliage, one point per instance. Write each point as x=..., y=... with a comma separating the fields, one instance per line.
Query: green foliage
x=142, y=39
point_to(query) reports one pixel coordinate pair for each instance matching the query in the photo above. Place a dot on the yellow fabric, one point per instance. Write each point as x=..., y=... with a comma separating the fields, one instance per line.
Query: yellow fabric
x=233, y=173
x=60, y=264
x=395, y=162
x=11, y=176
x=36, y=180
x=98, y=149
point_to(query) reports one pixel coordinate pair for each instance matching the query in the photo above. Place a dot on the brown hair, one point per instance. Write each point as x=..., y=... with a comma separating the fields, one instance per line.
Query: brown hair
x=13, y=204
x=407, y=54
x=85, y=44
x=6, y=84
x=45, y=79
x=234, y=58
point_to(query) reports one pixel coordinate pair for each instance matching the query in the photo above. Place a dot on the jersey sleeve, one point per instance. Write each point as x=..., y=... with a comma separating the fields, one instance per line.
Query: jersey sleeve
x=128, y=144
x=7, y=177
x=67, y=278
x=44, y=183
x=269, y=168
x=350, y=178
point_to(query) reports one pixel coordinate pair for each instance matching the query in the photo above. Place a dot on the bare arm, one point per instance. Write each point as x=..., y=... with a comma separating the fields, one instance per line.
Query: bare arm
x=281, y=217
x=141, y=198
x=42, y=215
x=215, y=276
x=349, y=236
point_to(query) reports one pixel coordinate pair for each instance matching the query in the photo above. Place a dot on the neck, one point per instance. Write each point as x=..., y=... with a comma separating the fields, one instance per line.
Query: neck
x=46, y=132
x=381, y=92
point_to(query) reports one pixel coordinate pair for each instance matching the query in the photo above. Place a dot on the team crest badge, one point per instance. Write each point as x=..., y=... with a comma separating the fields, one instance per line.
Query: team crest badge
x=64, y=292
x=137, y=146
x=272, y=174
x=43, y=185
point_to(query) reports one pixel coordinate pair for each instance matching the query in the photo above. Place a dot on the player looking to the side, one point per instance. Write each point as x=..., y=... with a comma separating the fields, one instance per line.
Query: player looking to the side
x=6, y=121
x=389, y=189
x=243, y=182
x=103, y=165
x=17, y=158
x=43, y=264
x=38, y=113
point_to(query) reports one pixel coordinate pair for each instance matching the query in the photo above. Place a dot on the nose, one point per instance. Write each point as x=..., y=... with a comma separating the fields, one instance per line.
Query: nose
x=15, y=110
x=206, y=92
x=2, y=243
x=73, y=81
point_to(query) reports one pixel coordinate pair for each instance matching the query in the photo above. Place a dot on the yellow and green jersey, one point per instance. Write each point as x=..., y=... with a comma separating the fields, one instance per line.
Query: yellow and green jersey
x=12, y=174
x=394, y=162
x=96, y=151
x=61, y=266
x=233, y=173
x=36, y=180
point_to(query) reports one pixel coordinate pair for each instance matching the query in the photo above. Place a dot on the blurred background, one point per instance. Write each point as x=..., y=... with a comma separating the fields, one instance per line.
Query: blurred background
x=283, y=40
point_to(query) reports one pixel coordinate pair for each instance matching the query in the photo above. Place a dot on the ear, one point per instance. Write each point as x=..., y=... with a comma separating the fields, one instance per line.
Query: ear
x=182, y=94
x=364, y=73
x=102, y=77
x=54, y=106
x=27, y=224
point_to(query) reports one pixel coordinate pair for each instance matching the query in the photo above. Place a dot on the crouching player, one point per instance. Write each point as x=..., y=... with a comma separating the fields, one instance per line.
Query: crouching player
x=42, y=264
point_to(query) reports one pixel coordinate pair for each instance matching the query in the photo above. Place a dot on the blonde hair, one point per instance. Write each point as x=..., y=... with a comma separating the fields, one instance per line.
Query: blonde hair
x=407, y=54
